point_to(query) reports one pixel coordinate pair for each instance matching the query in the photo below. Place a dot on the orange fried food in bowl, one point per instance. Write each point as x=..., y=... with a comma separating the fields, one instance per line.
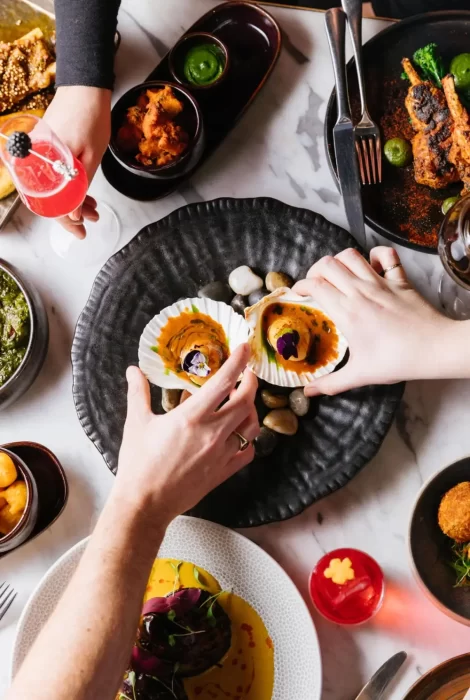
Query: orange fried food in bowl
x=454, y=513
x=13, y=495
x=150, y=129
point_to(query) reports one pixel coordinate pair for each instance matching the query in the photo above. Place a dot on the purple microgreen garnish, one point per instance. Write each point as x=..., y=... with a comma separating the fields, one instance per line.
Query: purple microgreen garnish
x=195, y=363
x=287, y=344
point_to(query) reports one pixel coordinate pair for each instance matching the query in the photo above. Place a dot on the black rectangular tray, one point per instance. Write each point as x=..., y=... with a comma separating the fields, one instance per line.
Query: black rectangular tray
x=253, y=39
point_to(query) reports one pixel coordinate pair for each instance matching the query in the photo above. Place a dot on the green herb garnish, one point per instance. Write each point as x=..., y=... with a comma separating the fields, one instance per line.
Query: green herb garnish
x=176, y=568
x=154, y=348
x=210, y=612
x=171, y=615
x=461, y=563
x=172, y=637
x=197, y=576
x=167, y=687
x=131, y=678
x=194, y=309
x=306, y=311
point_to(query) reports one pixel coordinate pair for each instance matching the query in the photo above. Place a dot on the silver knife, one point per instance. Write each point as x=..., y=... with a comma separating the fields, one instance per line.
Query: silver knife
x=343, y=132
x=376, y=687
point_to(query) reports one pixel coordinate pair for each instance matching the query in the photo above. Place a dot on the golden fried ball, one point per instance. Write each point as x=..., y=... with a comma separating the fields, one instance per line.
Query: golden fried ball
x=16, y=496
x=2, y=501
x=7, y=470
x=454, y=513
x=8, y=520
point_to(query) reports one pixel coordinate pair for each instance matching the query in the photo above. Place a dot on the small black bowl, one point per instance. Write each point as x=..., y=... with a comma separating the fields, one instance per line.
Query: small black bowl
x=26, y=525
x=190, y=119
x=180, y=50
x=430, y=550
x=36, y=351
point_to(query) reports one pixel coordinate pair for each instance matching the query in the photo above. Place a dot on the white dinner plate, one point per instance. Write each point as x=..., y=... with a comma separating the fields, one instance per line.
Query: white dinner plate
x=238, y=564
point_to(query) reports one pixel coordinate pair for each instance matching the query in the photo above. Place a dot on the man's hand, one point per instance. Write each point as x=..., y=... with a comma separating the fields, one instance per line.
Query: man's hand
x=81, y=118
x=393, y=333
x=171, y=462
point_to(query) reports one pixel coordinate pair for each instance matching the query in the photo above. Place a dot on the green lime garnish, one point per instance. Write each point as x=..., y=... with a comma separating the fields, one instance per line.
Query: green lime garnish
x=398, y=152
x=449, y=203
x=460, y=69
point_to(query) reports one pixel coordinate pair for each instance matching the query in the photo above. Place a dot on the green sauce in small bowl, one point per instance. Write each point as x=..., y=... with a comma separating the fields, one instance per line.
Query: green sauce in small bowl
x=204, y=64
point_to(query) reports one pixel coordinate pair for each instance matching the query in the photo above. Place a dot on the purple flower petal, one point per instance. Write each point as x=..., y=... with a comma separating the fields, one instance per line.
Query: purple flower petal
x=195, y=363
x=287, y=344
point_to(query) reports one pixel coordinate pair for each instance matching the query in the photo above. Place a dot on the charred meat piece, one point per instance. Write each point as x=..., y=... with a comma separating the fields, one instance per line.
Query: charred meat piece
x=432, y=122
x=189, y=629
x=151, y=688
x=27, y=65
x=460, y=152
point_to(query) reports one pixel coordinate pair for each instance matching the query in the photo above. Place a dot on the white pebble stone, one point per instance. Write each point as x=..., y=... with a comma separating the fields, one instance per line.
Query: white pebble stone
x=244, y=281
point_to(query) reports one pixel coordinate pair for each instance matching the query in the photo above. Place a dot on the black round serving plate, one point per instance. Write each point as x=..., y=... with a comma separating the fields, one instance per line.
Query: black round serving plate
x=173, y=258
x=399, y=208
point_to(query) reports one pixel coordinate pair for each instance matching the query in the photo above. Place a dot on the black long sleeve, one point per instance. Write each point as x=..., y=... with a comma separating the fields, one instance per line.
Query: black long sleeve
x=85, y=42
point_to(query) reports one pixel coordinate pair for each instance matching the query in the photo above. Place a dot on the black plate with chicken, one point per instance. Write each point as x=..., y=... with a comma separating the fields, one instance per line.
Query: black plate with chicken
x=399, y=208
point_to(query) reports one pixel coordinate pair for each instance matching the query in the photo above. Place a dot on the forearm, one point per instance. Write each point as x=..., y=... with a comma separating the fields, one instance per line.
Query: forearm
x=85, y=42
x=85, y=647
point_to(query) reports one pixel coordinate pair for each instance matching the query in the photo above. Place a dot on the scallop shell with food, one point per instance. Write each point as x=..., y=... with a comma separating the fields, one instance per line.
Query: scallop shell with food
x=187, y=342
x=292, y=340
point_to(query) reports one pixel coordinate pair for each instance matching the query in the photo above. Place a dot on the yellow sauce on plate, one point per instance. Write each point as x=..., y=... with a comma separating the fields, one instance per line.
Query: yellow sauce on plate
x=247, y=671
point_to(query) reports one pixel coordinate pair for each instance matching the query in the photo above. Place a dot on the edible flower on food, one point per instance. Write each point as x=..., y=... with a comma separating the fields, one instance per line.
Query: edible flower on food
x=340, y=571
x=195, y=363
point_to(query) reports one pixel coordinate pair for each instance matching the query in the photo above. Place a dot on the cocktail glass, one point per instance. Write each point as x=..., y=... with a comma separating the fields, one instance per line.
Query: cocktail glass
x=454, y=251
x=347, y=586
x=53, y=183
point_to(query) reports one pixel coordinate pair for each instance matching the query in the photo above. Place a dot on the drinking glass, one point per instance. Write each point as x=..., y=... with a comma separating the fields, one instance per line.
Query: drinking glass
x=52, y=183
x=454, y=251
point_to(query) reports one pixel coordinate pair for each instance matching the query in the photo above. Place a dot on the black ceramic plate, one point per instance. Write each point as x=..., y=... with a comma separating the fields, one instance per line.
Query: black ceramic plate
x=173, y=258
x=51, y=482
x=430, y=549
x=253, y=40
x=399, y=209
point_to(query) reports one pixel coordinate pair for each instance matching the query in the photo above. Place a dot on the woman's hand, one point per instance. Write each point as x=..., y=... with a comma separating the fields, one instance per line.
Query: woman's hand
x=171, y=462
x=393, y=333
x=81, y=118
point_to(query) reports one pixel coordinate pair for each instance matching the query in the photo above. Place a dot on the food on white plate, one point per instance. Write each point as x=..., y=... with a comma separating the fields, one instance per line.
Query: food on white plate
x=195, y=640
x=292, y=340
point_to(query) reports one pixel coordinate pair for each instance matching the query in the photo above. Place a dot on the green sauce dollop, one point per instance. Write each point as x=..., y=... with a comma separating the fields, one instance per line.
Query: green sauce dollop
x=460, y=68
x=14, y=326
x=204, y=64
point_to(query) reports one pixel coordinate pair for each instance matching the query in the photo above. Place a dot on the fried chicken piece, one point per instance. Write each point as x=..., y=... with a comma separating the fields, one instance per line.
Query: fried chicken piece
x=460, y=152
x=135, y=117
x=431, y=119
x=166, y=101
x=26, y=66
x=167, y=143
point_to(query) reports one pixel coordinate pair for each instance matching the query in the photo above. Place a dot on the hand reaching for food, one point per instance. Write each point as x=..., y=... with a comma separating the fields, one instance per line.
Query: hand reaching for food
x=394, y=334
x=173, y=461
x=81, y=118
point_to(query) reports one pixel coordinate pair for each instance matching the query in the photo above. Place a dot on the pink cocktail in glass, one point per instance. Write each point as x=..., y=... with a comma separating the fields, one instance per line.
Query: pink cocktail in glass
x=46, y=190
x=347, y=586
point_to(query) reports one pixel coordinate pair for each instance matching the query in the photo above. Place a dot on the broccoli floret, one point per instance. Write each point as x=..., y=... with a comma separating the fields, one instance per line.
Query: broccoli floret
x=430, y=62
x=404, y=76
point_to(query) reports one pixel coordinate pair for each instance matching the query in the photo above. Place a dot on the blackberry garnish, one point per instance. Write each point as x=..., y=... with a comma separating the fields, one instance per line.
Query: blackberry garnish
x=18, y=144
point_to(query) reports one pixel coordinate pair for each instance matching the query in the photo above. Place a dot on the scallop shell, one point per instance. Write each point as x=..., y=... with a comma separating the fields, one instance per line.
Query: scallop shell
x=259, y=362
x=151, y=364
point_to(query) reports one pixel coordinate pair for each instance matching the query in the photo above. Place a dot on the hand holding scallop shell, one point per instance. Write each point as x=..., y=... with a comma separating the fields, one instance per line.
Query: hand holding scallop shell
x=187, y=342
x=292, y=340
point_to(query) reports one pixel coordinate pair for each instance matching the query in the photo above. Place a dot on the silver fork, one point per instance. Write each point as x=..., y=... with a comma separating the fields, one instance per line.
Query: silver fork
x=368, y=141
x=7, y=596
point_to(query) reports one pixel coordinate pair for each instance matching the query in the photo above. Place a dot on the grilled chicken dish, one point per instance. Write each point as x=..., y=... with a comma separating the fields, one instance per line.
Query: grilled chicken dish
x=27, y=65
x=432, y=122
x=459, y=153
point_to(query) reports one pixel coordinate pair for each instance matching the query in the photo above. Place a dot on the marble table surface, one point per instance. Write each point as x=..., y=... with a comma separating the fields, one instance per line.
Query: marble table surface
x=276, y=150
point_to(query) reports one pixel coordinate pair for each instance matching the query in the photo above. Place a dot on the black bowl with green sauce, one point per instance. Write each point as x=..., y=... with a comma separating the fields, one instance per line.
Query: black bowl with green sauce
x=24, y=335
x=199, y=61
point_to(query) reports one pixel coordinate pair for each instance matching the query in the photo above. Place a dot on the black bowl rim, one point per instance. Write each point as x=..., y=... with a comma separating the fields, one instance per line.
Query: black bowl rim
x=32, y=327
x=168, y=166
x=27, y=477
x=207, y=36
x=436, y=602
x=396, y=26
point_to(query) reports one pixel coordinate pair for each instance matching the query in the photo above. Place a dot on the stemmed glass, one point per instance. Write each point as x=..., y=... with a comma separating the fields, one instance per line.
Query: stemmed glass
x=52, y=183
x=454, y=251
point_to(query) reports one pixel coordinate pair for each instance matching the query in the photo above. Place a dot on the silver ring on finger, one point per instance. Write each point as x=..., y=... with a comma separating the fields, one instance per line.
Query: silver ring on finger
x=392, y=267
x=244, y=443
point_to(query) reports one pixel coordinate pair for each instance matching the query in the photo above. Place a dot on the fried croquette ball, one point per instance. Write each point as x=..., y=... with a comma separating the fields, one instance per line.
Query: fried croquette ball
x=454, y=513
x=7, y=470
x=16, y=496
x=8, y=520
